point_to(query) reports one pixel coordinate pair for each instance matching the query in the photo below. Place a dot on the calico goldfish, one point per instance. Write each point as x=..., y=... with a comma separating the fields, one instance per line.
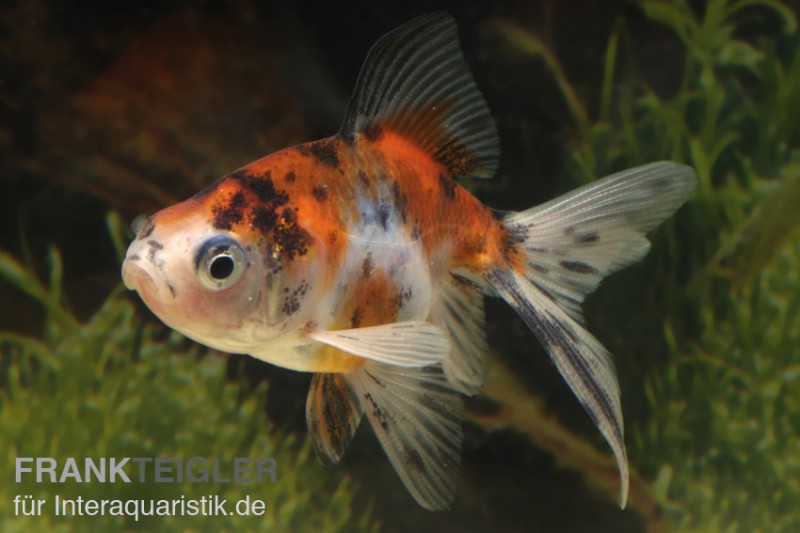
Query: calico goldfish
x=361, y=259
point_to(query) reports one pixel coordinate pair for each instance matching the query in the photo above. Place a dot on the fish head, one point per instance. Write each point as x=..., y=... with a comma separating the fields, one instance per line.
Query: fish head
x=232, y=286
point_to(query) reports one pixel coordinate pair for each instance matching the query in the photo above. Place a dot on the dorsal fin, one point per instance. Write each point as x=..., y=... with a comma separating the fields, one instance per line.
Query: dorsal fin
x=416, y=83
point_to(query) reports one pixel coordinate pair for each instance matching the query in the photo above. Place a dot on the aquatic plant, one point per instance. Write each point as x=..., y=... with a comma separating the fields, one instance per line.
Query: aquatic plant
x=119, y=387
x=715, y=423
x=709, y=367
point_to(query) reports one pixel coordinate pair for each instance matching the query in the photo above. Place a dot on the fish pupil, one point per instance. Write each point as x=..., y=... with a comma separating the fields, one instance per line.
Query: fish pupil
x=221, y=267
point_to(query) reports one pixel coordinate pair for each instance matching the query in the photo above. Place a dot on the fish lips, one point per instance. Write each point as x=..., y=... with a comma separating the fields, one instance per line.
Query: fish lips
x=152, y=289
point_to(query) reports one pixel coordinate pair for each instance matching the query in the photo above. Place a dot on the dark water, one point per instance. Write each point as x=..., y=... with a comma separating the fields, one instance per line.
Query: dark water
x=131, y=106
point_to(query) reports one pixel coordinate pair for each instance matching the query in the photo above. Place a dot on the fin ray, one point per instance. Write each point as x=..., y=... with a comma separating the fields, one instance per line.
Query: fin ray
x=572, y=242
x=569, y=245
x=415, y=82
x=411, y=343
x=583, y=362
x=459, y=312
x=417, y=417
x=333, y=414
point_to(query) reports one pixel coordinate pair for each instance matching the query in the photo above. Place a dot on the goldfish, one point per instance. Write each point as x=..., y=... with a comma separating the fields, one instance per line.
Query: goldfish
x=361, y=259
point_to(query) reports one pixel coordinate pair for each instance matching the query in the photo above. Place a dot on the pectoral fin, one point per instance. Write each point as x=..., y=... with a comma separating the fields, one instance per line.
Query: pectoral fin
x=405, y=344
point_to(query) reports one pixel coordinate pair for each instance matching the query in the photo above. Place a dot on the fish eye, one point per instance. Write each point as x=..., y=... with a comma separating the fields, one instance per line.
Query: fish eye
x=220, y=262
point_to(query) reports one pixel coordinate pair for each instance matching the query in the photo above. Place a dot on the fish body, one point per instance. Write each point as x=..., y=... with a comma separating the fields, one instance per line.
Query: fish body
x=342, y=235
x=361, y=259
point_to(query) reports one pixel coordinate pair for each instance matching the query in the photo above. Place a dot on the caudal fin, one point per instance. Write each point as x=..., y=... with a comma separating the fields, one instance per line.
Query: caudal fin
x=568, y=246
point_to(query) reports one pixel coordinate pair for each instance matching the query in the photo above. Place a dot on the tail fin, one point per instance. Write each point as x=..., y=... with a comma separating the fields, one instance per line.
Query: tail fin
x=569, y=245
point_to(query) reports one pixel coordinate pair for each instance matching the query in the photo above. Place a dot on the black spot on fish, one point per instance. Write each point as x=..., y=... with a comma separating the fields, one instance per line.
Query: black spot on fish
x=538, y=268
x=400, y=300
x=147, y=229
x=546, y=251
x=414, y=460
x=262, y=186
x=230, y=213
x=512, y=237
x=266, y=192
x=400, y=201
x=335, y=413
x=290, y=240
x=415, y=232
x=383, y=215
x=376, y=410
x=263, y=219
x=579, y=267
x=454, y=155
x=290, y=176
x=372, y=132
x=516, y=234
x=587, y=238
x=290, y=306
x=377, y=381
x=155, y=247
x=448, y=186
x=325, y=152
x=567, y=330
x=240, y=175
x=264, y=213
x=302, y=149
x=367, y=266
x=292, y=301
x=356, y=317
x=551, y=332
x=362, y=178
x=320, y=193
x=464, y=282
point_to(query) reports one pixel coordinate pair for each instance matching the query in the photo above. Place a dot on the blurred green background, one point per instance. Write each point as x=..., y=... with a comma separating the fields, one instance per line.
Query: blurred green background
x=108, y=110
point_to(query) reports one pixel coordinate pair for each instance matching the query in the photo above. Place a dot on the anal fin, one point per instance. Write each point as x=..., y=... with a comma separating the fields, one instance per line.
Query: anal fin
x=458, y=310
x=417, y=416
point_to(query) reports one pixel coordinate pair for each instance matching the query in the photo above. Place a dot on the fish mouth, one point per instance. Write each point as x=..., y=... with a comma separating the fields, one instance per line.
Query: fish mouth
x=136, y=278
